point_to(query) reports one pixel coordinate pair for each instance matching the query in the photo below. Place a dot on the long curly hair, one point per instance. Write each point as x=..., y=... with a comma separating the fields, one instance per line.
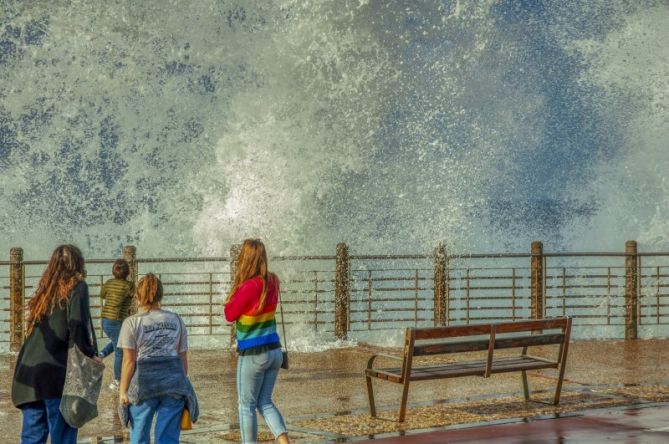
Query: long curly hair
x=252, y=262
x=65, y=270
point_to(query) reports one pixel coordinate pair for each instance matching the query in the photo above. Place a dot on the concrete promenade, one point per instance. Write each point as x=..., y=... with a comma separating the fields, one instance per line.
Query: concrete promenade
x=323, y=396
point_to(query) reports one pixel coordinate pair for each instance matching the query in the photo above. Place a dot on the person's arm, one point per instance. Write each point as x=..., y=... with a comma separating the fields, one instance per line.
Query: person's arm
x=243, y=299
x=127, y=370
x=79, y=322
x=103, y=295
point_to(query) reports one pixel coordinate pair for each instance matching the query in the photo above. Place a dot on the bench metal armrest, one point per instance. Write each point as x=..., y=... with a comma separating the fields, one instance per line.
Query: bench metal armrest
x=370, y=363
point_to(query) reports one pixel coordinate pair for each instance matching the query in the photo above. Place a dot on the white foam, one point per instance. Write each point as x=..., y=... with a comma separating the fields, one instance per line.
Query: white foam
x=630, y=65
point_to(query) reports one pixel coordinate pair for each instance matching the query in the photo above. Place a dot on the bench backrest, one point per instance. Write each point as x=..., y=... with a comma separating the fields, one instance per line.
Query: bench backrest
x=490, y=337
x=505, y=335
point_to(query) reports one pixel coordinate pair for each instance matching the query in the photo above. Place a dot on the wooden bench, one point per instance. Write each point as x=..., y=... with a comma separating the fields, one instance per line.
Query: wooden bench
x=458, y=339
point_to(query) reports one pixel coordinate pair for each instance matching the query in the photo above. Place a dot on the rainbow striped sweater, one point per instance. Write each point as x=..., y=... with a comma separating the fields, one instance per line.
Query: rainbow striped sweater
x=254, y=329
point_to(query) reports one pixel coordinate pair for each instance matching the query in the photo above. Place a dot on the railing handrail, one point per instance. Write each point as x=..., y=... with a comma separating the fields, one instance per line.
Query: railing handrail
x=364, y=257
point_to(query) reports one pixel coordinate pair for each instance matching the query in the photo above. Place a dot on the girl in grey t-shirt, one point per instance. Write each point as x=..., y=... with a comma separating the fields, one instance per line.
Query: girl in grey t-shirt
x=154, y=333
x=160, y=335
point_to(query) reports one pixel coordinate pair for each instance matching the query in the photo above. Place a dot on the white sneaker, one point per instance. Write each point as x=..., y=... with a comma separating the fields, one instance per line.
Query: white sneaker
x=114, y=385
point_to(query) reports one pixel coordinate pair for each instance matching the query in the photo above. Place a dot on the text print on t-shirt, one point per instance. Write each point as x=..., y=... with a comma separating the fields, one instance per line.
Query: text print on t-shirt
x=160, y=338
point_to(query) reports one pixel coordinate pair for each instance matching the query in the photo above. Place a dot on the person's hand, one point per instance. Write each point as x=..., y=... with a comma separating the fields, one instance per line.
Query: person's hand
x=98, y=360
x=123, y=399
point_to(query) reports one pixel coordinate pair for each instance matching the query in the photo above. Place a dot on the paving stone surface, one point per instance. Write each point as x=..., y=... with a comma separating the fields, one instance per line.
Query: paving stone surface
x=323, y=395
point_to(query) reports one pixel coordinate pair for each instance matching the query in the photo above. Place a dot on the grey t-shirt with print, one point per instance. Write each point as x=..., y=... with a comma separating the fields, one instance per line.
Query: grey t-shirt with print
x=154, y=333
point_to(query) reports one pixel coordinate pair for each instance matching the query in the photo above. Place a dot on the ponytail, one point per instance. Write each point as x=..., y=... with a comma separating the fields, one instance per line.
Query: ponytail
x=149, y=290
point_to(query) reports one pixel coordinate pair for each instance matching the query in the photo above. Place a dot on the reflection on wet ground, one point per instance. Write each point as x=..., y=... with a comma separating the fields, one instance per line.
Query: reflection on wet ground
x=642, y=425
x=323, y=395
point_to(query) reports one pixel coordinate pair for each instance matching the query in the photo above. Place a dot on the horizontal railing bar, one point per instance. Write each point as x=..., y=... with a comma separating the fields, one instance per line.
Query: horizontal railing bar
x=374, y=257
x=561, y=287
x=166, y=283
x=490, y=278
x=357, y=257
x=497, y=287
x=305, y=281
x=299, y=258
x=578, y=296
x=189, y=273
x=374, y=270
x=494, y=298
x=379, y=300
x=381, y=289
x=392, y=278
x=584, y=254
x=88, y=261
x=411, y=320
x=167, y=260
x=306, y=290
x=585, y=276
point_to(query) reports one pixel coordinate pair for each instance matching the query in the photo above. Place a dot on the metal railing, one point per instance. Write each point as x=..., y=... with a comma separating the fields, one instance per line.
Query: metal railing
x=600, y=291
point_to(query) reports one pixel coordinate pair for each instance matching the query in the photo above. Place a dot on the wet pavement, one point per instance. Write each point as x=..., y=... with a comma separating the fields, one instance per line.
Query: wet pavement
x=323, y=395
x=629, y=425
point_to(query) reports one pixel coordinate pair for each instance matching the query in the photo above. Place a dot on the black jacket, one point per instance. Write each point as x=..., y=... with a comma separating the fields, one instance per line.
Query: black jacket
x=40, y=367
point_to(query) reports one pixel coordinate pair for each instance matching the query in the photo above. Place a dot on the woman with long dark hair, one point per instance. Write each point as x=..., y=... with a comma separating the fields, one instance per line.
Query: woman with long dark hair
x=58, y=313
x=252, y=304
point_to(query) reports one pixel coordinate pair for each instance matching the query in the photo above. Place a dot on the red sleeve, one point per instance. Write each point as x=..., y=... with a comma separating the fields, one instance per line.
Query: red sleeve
x=244, y=298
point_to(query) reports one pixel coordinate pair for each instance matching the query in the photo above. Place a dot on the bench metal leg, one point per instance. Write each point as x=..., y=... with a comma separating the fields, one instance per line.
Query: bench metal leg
x=405, y=396
x=558, y=389
x=563, y=362
x=370, y=397
x=526, y=390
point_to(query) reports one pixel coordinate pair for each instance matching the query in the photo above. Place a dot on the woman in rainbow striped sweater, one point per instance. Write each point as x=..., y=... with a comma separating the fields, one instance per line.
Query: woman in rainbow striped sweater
x=252, y=304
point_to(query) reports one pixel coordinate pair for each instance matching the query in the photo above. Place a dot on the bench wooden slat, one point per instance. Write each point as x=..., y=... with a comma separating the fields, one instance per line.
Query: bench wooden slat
x=521, y=363
x=451, y=332
x=452, y=347
x=527, y=341
x=531, y=325
x=482, y=344
x=483, y=329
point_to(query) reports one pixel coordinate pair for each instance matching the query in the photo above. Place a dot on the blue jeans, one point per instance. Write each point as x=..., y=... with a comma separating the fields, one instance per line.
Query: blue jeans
x=256, y=375
x=112, y=330
x=168, y=420
x=43, y=418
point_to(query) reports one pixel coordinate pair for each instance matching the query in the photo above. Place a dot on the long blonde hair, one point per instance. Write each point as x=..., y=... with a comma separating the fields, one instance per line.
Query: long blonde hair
x=63, y=272
x=252, y=262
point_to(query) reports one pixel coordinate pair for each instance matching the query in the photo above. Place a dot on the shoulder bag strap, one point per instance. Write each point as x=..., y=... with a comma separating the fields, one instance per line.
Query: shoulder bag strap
x=90, y=319
x=283, y=324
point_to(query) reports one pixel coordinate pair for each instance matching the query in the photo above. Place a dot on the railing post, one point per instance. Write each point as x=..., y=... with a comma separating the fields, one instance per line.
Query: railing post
x=631, y=290
x=342, y=291
x=130, y=256
x=235, y=249
x=537, y=280
x=16, y=304
x=441, y=301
